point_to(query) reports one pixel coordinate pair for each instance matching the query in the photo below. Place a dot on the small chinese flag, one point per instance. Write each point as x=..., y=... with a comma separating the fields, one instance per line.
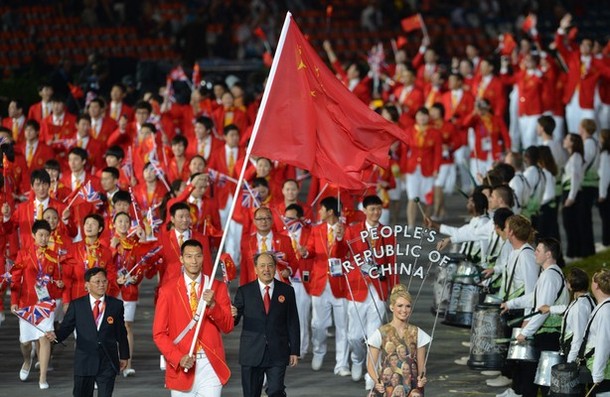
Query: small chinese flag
x=401, y=41
x=507, y=44
x=529, y=23
x=411, y=23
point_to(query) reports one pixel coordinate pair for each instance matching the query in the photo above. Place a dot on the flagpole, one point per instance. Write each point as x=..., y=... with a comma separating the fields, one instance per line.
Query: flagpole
x=255, y=129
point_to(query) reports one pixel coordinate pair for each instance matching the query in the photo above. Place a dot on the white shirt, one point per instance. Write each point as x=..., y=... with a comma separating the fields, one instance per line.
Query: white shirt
x=204, y=147
x=468, y=232
x=604, y=173
x=188, y=281
x=576, y=316
x=574, y=172
x=375, y=339
x=522, y=268
x=548, y=194
x=535, y=179
x=599, y=338
x=185, y=235
x=77, y=181
x=545, y=292
x=58, y=120
x=521, y=191
x=102, y=309
x=559, y=153
x=262, y=286
x=268, y=241
x=456, y=95
x=228, y=150
x=45, y=205
x=34, y=146
x=96, y=125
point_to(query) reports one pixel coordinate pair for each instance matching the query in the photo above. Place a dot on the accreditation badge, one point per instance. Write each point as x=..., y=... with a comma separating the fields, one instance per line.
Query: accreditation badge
x=486, y=144
x=42, y=292
x=334, y=267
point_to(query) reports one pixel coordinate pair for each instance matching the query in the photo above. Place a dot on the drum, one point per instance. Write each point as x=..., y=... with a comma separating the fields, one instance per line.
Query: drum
x=492, y=299
x=442, y=284
x=464, y=299
x=547, y=360
x=467, y=273
x=487, y=326
x=521, y=351
x=565, y=381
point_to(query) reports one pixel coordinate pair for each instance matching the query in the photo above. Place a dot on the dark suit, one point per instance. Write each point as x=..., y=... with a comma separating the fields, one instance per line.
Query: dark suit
x=96, y=358
x=267, y=340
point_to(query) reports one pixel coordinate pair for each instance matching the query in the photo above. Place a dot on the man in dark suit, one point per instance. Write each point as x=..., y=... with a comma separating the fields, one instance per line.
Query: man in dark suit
x=102, y=349
x=270, y=338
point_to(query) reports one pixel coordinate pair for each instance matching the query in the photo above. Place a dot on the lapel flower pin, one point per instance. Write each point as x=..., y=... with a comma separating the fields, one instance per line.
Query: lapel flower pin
x=281, y=298
x=110, y=320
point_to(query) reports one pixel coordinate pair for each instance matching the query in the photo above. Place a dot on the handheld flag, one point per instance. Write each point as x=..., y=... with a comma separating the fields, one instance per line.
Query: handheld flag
x=35, y=314
x=409, y=24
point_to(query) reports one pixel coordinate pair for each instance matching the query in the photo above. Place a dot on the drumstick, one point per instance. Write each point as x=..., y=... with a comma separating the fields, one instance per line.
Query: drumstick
x=591, y=389
x=519, y=319
x=421, y=209
x=507, y=340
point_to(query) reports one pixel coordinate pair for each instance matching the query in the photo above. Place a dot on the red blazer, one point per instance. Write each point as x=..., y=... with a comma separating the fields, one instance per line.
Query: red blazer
x=409, y=105
x=362, y=90
x=173, y=313
x=493, y=92
x=141, y=195
x=35, y=112
x=66, y=180
x=239, y=118
x=493, y=128
x=463, y=109
x=359, y=282
x=105, y=130
x=432, y=95
x=174, y=173
x=8, y=123
x=452, y=140
x=317, y=247
x=382, y=179
x=42, y=153
x=584, y=82
x=126, y=256
x=427, y=153
x=305, y=264
x=192, y=148
x=530, y=88
x=280, y=244
x=126, y=111
x=24, y=216
x=48, y=131
x=25, y=273
x=554, y=81
x=170, y=252
x=76, y=273
x=218, y=162
x=279, y=207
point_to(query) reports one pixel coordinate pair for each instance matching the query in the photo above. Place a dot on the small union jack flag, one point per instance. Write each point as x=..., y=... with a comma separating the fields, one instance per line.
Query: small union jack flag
x=7, y=277
x=35, y=314
x=292, y=225
x=249, y=198
x=4, y=140
x=90, y=195
x=152, y=221
x=216, y=177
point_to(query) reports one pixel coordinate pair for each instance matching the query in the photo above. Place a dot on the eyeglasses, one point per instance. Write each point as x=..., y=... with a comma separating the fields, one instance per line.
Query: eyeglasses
x=267, y=219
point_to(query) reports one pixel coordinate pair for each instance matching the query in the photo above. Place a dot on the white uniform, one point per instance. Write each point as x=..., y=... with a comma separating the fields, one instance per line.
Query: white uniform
x=575, y=319
x=521, y=273
x=599, y=338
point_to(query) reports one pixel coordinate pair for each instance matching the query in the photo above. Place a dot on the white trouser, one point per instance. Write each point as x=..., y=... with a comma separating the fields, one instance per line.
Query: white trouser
x=527, y=130
x=513, y=112
x=320, y=320
x=445, y=178
x=304, y=310
x=363, y=314
x=232, y=245
x=559, y=132
x=206, y=383
x=460, y=158
x=603, y=117
x=574, y=113
x=604, y=394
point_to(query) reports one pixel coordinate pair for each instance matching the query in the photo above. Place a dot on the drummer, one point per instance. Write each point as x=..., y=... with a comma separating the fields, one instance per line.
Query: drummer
x=550, y=289
x=597, y=335
x=576, y=315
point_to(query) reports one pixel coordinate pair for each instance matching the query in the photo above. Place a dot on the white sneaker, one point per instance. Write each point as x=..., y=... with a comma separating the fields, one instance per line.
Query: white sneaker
x=128, y=372
x=508, y=393
x=356, y=372
x=462, y=361
x=316, y=362
x=343, y=372
x=466, y=344
x=491, y=373
x=500, y=381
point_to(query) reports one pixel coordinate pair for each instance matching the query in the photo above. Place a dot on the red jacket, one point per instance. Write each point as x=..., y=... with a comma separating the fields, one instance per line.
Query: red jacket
x=362, y=90
x=409, y=103
x=173, y=313
x=42, y=153
x=493, y=92
x=103, y=132
x=170, y=251
x=239, y=119
x=49, y=131
x=319, y=251
x=126, y=256
x=579, y=76
x=452, y=139
x=24, y=216
x=218, y=162
x=305, y=264
x=492, y=128
x=35, y=112
x=423, y=150
x=359, y=282
x=126, y=111
x=279, y=245
x=531, y=86
x=554, y=82
x=463, y=108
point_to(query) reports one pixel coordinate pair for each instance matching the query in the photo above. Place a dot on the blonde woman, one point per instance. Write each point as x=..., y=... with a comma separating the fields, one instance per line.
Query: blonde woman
x=399, y=332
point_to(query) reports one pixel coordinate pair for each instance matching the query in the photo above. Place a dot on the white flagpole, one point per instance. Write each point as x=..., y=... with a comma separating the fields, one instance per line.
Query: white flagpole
x=255, y=129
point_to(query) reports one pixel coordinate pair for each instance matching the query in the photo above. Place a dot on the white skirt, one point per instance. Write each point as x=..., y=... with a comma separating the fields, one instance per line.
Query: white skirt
x=28, y=332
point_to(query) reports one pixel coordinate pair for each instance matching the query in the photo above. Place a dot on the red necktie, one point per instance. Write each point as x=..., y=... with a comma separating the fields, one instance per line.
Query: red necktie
x=96, y=311
x=267, y=300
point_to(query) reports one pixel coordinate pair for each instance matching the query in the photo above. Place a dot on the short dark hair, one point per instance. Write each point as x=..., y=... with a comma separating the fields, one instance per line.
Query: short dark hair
x=121, y=195
x=150, y=126
x=500, y=217
x=143, y=105
x=32, y=123
x=229, y=128
x=480, y=202
x=94, y=271
x=553, y=245
x=190, y=243
x=206, y=121
x=439, y=106
x=80, y=152
x=115, y=151
x=578, y=279
x=180, y=139
x=119, y=214
x=40, y=175
x=256, y=182
x=506, y=194
x=112, y=171
x=98, y=218
x=297, y=208
x=178, y=206
x=100, y=101
x=371, y=200
x=52, y=164
x=40, y=224
x=505, y=172
x=83, y=116
x=547, y=123
x=331, y=203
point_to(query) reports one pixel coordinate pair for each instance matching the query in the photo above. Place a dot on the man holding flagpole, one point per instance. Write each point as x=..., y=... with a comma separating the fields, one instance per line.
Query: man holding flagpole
x=204, y=372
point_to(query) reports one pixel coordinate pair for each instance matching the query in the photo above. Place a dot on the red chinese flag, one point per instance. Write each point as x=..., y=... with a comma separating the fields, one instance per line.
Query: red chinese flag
x=401, y=41
x=529, y=23
x=196, y=75
x=411, y=23
x=507, y=44
x=76, y=91
x=309, y=119
x=260, y=33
